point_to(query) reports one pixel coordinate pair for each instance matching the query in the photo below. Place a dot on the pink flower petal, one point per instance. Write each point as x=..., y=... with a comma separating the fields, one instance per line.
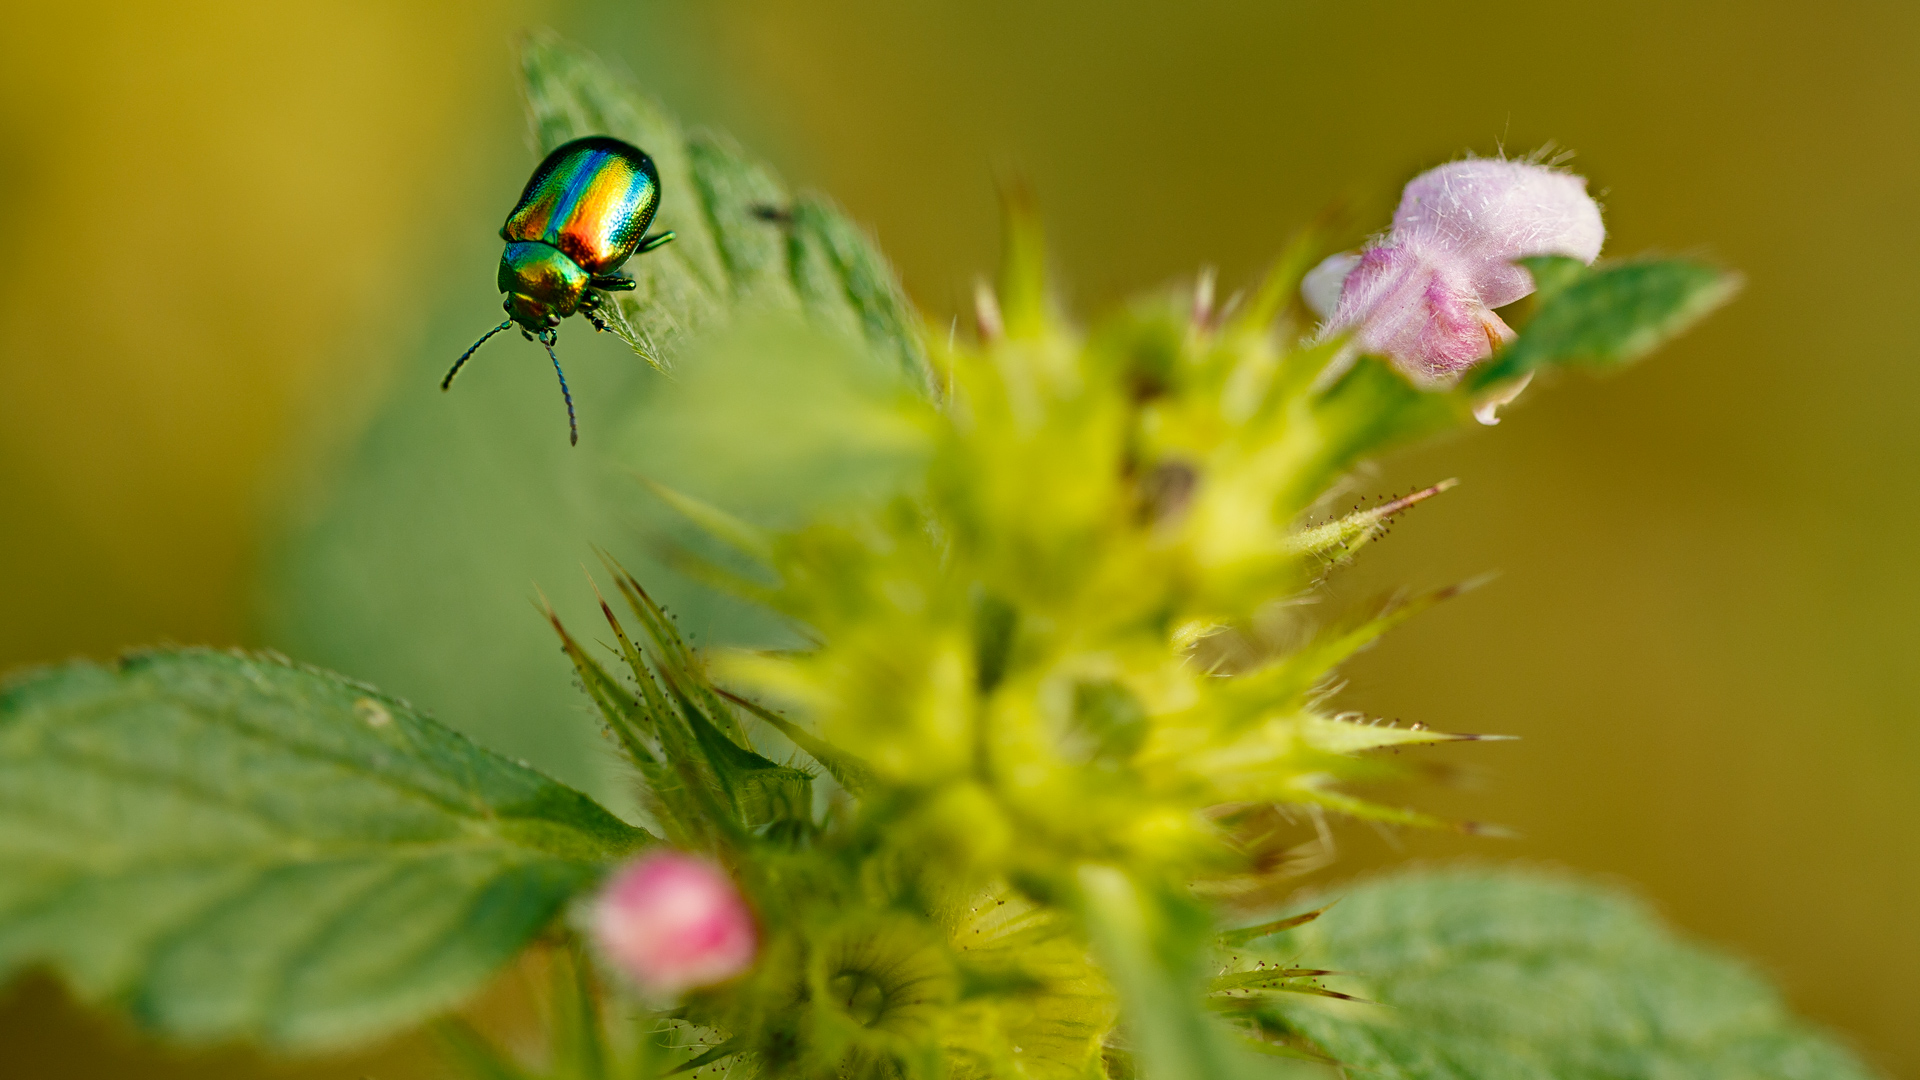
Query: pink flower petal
x=1322, y=285
x=1420, y=310
x=1424, y=295
x=1493, y=212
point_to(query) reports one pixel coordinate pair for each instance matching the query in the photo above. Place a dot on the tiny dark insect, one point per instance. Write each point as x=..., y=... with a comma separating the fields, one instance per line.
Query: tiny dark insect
x=584, y=213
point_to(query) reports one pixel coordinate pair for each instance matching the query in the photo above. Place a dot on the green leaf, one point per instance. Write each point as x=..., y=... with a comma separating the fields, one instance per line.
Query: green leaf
x=1552, y=274
x=1611, y=315
x=741, y=238
x=778, y=421
x=235, y=846
x=414, y=562
x=1484, y=974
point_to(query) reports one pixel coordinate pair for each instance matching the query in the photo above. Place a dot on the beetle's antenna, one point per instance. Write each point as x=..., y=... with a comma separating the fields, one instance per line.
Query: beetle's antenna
x=573, y=429
x=447, y=382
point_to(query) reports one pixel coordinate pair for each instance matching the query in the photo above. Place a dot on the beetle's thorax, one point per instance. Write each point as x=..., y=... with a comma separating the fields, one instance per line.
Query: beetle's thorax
x=542, y=284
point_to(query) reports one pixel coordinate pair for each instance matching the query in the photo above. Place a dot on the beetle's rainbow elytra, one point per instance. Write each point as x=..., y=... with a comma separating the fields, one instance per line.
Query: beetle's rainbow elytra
x=584, y=213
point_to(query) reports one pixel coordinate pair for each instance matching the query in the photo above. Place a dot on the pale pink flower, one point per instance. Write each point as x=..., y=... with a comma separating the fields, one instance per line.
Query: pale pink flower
x=1423, y=295
x=673, y=921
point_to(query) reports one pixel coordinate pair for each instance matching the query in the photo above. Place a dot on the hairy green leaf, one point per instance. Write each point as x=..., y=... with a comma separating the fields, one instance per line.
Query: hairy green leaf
x=778, y=422
x=1486, y=974
x=1610, y=315
x=742, y=239
x=236, y=846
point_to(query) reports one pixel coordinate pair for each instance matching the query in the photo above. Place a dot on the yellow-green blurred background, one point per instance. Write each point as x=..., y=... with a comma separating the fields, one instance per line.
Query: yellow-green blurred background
x=225, y=221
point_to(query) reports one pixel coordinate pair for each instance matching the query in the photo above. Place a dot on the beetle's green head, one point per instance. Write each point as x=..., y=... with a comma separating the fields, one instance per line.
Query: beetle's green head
x=542, y=285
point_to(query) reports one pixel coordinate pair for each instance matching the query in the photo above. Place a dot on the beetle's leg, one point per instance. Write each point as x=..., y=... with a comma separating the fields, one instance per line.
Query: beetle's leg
x=652, y=242
x=547, y=338
x=613, y=282
x=590, y=306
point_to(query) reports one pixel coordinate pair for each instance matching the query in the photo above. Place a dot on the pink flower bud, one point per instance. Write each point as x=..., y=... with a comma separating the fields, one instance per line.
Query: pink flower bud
x=673, y=921
x=1424, y=295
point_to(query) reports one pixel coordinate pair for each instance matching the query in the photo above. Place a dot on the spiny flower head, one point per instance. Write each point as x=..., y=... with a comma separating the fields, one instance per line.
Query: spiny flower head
x=1061, y=696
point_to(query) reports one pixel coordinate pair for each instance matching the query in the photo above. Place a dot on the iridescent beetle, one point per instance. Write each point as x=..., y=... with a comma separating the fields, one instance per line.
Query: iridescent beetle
x=584, y=213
